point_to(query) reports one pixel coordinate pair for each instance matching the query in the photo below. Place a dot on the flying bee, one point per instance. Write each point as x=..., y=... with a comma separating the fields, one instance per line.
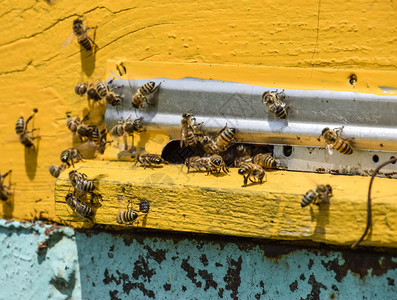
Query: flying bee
x=92, y=93
x=81, y=88
x=80, y=31
x=129, y=216
x=70, y=156
x=225, y=138
x=194, y=162
x=275, y=103
x=209, y=145
x=266, y=161
x=333, y=140
x=25, y=136
x=145, y=158
x=319, y=197
x=129, y=127
x=5, y=190
x=141, y=96
x=55, y=171
x=249, y=170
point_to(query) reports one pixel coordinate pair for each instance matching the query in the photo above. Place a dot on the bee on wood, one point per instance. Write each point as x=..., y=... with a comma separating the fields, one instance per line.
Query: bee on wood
x=84, y=210
x=73, y=123
x=118, y=130
x=194, y=162
x=71, y=200
x=240, y=160
x=145, y=158
x=141, y=96
x=25, y=136
x=209, y=145
x=266, y=161
x=129, y=216
x=55, y=171
x=81, y=183
x=135, y=126
x=225, y=138
x=333, y=140
x=249, y=170
x=83, y=130
x=81, y=88
x=275, y=103
x=80, y=31
x=320, y=196
x=5, y=190
x=92, y=93
x=70, y=156
x=213, y=163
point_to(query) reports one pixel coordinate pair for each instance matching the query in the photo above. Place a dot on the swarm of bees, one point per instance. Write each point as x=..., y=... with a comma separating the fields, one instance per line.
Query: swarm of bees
x=319, y=197
x=25, y=136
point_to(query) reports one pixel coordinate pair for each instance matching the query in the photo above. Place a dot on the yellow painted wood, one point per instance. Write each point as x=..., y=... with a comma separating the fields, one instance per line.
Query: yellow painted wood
x=307, y=45
x=196, y=202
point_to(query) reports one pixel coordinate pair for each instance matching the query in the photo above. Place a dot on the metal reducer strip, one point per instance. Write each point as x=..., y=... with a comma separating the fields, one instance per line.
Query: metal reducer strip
x=369, y=120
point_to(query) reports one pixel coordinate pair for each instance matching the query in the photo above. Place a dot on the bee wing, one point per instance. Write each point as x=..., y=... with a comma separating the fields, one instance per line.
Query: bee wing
x=329, y=148
x=68, y=40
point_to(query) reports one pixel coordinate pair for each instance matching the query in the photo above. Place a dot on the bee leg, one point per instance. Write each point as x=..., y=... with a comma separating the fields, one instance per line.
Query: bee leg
x=245, y=181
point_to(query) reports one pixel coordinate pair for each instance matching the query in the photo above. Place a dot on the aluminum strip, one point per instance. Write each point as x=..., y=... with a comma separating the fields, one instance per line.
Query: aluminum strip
x=368, y=120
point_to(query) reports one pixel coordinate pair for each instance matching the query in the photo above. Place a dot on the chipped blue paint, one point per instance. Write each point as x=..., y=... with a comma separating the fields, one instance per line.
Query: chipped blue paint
x=77, y=264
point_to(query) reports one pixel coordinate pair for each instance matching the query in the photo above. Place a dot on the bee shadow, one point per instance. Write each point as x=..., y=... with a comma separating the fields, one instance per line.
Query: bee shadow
x=31, y=160
x=87, y=61
x=8, y=205
x=321, y=217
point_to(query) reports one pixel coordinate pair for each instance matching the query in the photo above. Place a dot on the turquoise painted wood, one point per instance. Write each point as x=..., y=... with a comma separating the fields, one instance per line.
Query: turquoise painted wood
x=41, y=261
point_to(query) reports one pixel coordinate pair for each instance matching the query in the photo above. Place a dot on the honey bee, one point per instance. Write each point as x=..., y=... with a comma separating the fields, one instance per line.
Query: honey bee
x=81, y=88
x=209, y=145
x=129, y=216
x=333, y=140
x=84, y=210
x=25, y=136
x=70, y=156
x=56, y=170
x=188, y=138
x=225, y=138
x=275, y=103
x=72, y=123
x=99, y=138
x=240, y=160
x=113, y=99
x=249, y=170
x=102, y=89
x=194, y=162
x=213, y=163
x=80, y=31
x=320, y=196
x=145, y=158
x=129, y=127
x=71, y=200
x=141, y=96
x=5, y=190
x=92, y=93
x=80, y=182
x=118, y=130
x=266, y=161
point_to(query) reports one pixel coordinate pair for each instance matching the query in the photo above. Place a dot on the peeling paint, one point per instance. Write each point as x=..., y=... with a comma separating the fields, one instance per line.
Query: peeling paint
x=93, y=264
